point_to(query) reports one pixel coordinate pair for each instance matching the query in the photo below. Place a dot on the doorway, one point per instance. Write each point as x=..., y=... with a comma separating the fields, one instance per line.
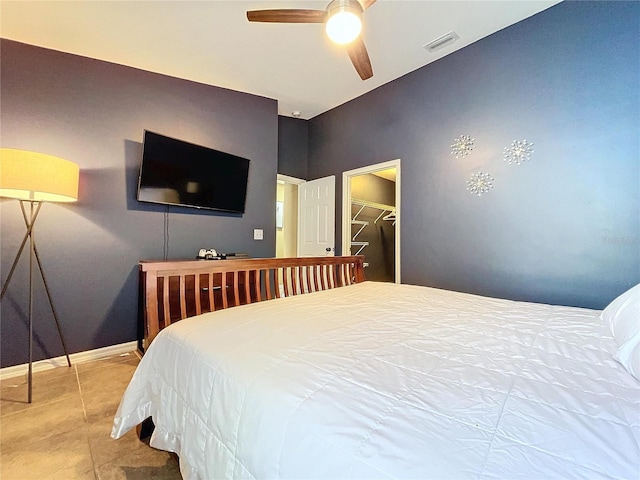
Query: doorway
x=287, y=216
x=371, y=218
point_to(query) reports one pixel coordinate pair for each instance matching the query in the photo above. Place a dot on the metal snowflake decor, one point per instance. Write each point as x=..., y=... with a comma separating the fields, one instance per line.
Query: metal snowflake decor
x=518, y=152
x=462, y=146
x=480, y=183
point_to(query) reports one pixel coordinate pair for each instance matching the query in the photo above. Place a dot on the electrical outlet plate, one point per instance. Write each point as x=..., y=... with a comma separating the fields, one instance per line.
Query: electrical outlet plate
x=258, y=234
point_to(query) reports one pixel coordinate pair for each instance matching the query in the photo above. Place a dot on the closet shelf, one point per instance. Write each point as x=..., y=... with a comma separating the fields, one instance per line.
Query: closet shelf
x=388, y=212
x=367, y=203
x=379, y=206
x=362, y=223
x=359, y=244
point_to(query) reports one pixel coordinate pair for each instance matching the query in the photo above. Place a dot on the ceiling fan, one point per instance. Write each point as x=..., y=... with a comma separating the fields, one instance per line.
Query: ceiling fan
x=343, y=19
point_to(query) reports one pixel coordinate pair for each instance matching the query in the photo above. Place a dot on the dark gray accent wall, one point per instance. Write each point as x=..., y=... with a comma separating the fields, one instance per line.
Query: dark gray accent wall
x=94, y=113
x=562, y=228
x=293, y=147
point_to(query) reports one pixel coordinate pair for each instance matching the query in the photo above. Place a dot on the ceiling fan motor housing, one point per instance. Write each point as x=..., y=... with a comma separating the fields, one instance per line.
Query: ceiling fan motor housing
x=345, y=5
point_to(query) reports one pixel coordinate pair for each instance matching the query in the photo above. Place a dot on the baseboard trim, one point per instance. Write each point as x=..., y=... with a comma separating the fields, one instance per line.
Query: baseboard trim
x=80, y=357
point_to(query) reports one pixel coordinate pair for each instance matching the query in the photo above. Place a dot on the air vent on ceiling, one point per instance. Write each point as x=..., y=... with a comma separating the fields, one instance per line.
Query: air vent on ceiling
x=441, y=42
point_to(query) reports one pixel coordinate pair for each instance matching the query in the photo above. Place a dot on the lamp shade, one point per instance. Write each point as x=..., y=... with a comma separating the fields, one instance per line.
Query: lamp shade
x=37, y=177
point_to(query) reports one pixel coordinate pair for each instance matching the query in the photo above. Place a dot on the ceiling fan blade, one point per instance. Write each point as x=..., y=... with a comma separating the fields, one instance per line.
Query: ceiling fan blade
x=287, y=16
x=366, y=3
x=360, y=58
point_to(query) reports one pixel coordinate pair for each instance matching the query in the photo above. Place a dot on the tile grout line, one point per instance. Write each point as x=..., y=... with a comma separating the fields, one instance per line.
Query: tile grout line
x=96, y=474
x=94, y=468
x=84, y=408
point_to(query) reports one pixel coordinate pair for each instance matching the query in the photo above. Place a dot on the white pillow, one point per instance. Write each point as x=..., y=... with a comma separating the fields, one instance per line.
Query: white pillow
x=623, y=317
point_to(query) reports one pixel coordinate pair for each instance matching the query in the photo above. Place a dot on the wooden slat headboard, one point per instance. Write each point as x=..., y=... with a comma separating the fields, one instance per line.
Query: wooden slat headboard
x=173, y=290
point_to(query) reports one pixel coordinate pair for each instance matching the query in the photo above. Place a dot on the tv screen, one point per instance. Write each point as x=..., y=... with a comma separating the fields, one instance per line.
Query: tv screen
x=174, y=172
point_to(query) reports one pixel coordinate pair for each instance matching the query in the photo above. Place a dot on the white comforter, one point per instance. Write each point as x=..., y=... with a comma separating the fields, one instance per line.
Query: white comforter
x=389, y=381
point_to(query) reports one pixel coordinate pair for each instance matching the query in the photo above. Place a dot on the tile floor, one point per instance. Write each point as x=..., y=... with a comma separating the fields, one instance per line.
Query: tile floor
x=65, y=433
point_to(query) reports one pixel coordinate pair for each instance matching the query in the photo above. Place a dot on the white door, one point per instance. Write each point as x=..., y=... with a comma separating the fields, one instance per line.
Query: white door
x=317, y=217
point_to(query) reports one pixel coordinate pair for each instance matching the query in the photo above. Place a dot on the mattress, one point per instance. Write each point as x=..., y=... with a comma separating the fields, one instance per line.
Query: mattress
x=380, y=380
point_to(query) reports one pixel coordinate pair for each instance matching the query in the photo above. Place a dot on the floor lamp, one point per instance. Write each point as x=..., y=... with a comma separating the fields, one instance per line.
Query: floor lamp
x=34, y=178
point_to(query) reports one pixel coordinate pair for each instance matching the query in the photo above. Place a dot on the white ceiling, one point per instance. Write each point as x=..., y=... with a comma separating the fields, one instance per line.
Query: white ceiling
x=213, y=43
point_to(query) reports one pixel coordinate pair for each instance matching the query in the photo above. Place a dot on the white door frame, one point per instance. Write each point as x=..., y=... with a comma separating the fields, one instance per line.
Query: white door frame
x=294, y=181
x=346, y=207
x=288, y=179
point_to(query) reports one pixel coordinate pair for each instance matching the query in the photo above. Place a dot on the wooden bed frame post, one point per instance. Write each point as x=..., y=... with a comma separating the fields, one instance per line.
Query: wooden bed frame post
x=150, y=303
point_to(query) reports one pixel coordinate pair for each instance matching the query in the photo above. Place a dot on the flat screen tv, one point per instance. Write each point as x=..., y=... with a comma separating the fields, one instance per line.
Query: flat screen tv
x=174, y=172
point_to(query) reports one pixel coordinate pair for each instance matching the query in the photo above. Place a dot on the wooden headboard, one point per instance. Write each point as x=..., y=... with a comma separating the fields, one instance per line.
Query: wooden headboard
x=173, y=290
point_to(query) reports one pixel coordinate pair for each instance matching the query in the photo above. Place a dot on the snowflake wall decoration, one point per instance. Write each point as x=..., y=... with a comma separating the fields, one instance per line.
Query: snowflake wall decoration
x=462, y=146
x=480, y=183
x=518, y=152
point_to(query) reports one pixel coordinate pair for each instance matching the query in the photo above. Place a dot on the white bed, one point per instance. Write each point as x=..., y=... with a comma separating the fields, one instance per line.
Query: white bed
x=379, y=380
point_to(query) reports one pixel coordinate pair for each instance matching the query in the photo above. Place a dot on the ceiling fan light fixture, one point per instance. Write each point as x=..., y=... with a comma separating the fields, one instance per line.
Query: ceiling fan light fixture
x=344, y=22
